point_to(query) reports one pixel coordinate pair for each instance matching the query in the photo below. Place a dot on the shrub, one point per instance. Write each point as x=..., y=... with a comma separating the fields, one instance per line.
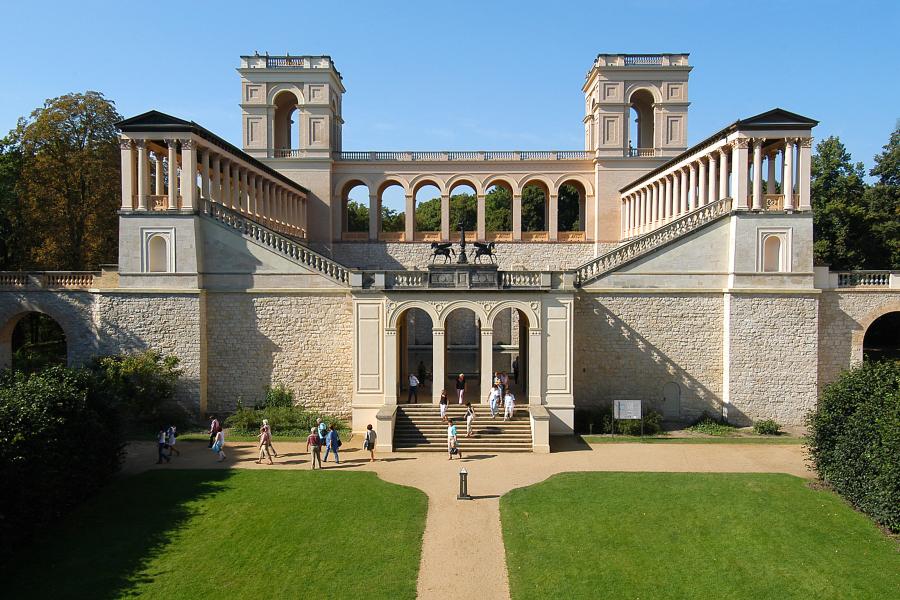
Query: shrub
x=59, y=441
x=593, y=419
x=142, y=385
x=284, y=420
x=652, y=424
x=710, y=425
x=854, y=439
x=766, y=427
x=278, y=397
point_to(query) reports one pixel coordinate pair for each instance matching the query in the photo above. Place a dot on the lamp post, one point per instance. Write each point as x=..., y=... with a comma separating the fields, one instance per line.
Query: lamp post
x=463, y=485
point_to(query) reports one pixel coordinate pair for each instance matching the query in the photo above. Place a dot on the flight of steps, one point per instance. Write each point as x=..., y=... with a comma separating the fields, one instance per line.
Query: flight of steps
x=419, y=428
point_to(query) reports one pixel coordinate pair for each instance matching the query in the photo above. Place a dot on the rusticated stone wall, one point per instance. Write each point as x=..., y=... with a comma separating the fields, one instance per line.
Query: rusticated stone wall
x=631, y=346
x=301, y=340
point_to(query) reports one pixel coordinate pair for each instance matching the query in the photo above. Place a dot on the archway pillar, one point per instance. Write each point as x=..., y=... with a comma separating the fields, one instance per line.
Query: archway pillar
x=481, y=227
x=409, y=220
x=390, y=365
x=487, y=363
x=553, y=220
x=373, y=216
x=445, y=217
x=534, y=365
x=517, y=216
x=438, y=351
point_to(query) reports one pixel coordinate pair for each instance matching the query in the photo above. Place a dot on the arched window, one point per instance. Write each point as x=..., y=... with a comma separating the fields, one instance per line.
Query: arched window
x=772, y=254
x=882, y=339
x=283, y=121
x=641, y=127
x=31, y=342
x=158, y=254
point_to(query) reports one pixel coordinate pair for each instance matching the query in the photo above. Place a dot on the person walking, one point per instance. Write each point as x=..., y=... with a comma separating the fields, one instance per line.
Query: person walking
x=413, y=389
x=369, y=442
x=515, y=369
x=332, y=443
x=504, y=381
x=271, y=447
x=470, y=417
x=460, y=387
x=509, y=406
x=219, y=445
x=314, y=447
x=171, y=438
x=264, y=443
x=161, y=446
x=422, y=372
x=214, y=428
x=443, y=405
x=452, y=441
x=322, y=431
x=494, y=400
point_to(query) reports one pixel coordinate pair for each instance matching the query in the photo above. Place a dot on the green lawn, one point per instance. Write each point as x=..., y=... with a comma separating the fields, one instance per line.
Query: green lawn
x=622, y=439
x=691, y=535
x=231, y=534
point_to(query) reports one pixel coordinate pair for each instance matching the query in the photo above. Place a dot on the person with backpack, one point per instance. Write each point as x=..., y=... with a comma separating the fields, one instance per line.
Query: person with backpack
x=314, y=447
x=369, y=442
x=332, y=443
x=453, y=441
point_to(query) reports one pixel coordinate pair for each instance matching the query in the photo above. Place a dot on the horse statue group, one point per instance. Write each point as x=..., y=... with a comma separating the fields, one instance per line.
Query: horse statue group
x=446, y=250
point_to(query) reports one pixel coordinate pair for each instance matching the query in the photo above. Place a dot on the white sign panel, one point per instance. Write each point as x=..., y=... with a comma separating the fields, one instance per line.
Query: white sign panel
x=627, y=409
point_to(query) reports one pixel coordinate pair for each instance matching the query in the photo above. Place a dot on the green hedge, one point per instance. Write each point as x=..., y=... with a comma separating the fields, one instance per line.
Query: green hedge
x=854, y=439
x=284, y=420
x=59, y=441
x=598, y=420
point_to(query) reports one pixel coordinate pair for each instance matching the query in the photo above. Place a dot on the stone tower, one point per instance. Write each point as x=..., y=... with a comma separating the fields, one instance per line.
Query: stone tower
x=655, y=86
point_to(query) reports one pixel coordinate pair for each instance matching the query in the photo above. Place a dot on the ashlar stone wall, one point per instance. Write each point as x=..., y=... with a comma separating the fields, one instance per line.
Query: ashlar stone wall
x=632, y=346
x=301, y=340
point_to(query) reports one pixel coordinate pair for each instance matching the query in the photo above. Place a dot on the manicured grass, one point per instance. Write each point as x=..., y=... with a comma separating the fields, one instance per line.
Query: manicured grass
x=621, y=439
x=231, y=534
x=691, y=535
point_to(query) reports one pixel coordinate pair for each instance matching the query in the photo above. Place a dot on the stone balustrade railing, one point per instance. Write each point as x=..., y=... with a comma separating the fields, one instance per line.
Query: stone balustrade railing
x=462, y=277
x=281, y=244
x=648, y=242
x=467, y=156
x=852, y=279
x=54, y=280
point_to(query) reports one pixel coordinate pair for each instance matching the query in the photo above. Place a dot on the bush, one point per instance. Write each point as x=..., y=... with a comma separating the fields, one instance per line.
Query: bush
x=710, y=425
x=142, y=385
x=652, y=424
x=278, y=397
x=284, y=420
x=59, y=441
x=766, y=427
x=598, y=420
x=854, y=439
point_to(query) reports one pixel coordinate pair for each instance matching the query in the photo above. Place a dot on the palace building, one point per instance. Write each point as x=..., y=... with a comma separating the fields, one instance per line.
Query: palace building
x=645, y=269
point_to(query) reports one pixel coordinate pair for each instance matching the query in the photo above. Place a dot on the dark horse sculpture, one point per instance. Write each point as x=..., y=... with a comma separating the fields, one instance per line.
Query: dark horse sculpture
x=444, y=250
x=485, y=250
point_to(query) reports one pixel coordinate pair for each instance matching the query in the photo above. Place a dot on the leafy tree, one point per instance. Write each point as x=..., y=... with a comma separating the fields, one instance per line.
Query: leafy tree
x=839, y=208
x=68, y=182
x=428, y=215
x=883, y=206
x=143, y=386
x=463, y=209
x=12, y=238
x=498, y=209
x=357, y=216
x=392, y=220
x=533, y=202
x=569, y=208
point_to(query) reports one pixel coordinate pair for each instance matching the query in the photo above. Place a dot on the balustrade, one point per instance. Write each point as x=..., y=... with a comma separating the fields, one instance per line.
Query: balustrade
x=864, y=279
x=465, y=156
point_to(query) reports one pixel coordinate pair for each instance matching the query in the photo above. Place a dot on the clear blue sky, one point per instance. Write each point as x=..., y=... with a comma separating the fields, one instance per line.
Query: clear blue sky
x=465, y=75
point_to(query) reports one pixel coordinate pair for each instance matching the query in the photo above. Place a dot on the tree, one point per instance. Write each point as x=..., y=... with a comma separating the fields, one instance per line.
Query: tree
x=463, y=209
x=498, y=209
x=428, y=215
x=533, y=203
x=357, y=216
x=12, y=240
x=839, y=209
x=69, y=182
x=569, y=208
x=883, y=206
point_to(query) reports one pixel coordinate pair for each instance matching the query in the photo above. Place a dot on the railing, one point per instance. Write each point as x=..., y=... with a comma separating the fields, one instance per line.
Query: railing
x=294, y=62
x=654, y=60
x=520, y=279
x=648, y=242
x=391, y=236
x=157, y=202
x=570, y=236
x=498, y=236
x=281, y=244
x=640, y=152
x=465, y=156
x=406, y=279
x=70, y=280
x=535, y=236
x=864, y=279
x=287, y=153
x=462, y=279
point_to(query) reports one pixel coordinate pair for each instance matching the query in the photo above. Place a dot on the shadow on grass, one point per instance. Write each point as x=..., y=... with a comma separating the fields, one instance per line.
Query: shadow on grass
x=100, y=549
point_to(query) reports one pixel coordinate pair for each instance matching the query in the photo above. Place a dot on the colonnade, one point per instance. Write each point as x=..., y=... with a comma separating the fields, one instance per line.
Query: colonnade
x=183, y=171
x=727, y=168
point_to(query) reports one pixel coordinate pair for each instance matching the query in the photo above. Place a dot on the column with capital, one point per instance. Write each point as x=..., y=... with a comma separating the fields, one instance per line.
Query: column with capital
x=712, y=190
x=666, y=211
x=235, y=187
x=553, y=221
x=683, y=194
x=517, y=216
x=723, y=172
x=188, y=174
x=438, y=379
x=787, y=178
x=481, y=221
x=445, y=217
x=654, y=196
x=126, y=148
x=757, y=173
x=225, y=180
x=701, y=196
x=204, y=175
x=409, y=219
x=215, y=179
x=173, y=173
x=159, y=183
x=245, y=191
x=143, y=170
x=804, y=174
x=487, y=363
x=740, y=173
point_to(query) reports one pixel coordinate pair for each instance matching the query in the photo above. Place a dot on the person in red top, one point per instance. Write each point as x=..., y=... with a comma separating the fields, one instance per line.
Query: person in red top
x=314, y=447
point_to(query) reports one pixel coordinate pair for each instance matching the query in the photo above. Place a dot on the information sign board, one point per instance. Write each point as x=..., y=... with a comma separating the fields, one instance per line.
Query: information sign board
x=627, y=409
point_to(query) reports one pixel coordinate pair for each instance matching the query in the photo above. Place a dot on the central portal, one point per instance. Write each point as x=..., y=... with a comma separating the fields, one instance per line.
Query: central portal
x=463, y=355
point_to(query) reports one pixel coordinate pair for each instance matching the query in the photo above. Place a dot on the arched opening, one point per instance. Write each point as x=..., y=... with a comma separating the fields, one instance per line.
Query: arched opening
x=428, y=211
x=641, y=121
x=772, y=254
x=510, y=350
x=462, y=338
x=570, y=207
x=671, y=400
x=32, y=342
x=463, y=208
x=534, y=207
x=283, y=120
x=882, y=339
x=392, y=206
x=498, y=212
x=414, y=334
x=355, y=210
x=158, y=254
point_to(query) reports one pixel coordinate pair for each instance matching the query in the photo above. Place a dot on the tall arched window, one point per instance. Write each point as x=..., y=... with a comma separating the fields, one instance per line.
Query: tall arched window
x=642, y=112
x=772, y=254
x=158, y=254
x=283, y=121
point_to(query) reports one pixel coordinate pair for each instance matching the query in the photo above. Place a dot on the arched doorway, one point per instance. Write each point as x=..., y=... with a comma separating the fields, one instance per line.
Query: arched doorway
x=283, y=121
x=355, y=211
x=415, y=355
x=510, y=350
x=641, y=126
x=32, y=341
x=882, y=339
x=462, y=354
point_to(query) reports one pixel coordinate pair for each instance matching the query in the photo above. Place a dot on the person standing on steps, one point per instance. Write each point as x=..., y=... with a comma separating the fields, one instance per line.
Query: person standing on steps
x=452, y=441
x=509, y=406
x=470, y=416
x=443, y=405
x=314, y=447
x=515, y=370
x=332, y=443
x=494, y=400
x=369, y=442
x=460, y=387
x=413, y=389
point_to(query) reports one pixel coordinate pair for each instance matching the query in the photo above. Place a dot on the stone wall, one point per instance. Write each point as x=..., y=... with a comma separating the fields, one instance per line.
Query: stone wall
x=772, y=356
x=630, y=346
x=510, y=255
x=170, y=323
x=259, y=339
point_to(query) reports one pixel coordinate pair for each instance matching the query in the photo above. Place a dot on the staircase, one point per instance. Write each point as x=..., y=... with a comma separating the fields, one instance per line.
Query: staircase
x=647, y=243
x=419, y=429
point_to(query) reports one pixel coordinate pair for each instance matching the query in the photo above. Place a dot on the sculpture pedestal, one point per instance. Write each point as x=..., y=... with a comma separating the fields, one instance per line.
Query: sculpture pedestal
x=465, y=276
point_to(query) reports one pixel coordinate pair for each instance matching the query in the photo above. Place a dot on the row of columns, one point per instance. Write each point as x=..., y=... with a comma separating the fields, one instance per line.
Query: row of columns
x=551, y=217
x=727, y=171
x=222, y=178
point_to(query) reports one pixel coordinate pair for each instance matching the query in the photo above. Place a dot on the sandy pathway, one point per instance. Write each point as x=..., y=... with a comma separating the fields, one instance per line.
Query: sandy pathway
x=462, y=549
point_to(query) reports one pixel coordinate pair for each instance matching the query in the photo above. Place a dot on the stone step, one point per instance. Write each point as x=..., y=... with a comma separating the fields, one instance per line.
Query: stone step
x=419, y=428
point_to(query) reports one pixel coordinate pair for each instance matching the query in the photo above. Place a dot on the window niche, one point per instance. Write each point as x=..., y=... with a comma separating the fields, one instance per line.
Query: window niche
x=158, y=250
x=774, y=251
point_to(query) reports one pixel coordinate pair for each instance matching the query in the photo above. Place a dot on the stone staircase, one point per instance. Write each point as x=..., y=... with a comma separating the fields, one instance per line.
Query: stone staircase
x=419, y=429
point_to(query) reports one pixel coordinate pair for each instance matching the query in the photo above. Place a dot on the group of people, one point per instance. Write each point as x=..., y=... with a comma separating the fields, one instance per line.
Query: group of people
x=499, y=395
x=165, y=440
x=327, y=436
